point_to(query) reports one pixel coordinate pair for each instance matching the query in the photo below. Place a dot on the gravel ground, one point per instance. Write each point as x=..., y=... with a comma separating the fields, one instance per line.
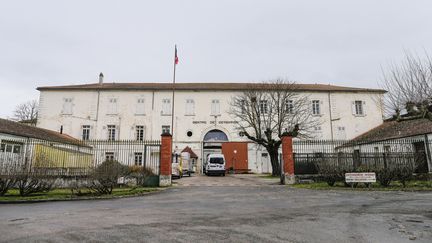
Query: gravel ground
x=227, y=209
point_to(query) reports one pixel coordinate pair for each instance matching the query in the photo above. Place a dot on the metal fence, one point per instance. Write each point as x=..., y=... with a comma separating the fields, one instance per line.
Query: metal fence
x=52, y=158
x=309, y=154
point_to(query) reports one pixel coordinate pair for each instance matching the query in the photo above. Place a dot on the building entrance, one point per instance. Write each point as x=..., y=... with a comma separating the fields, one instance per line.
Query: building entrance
x=212, y=144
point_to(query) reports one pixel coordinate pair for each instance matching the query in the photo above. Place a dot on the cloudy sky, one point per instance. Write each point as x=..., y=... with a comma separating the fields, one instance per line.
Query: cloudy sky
x=69, y=42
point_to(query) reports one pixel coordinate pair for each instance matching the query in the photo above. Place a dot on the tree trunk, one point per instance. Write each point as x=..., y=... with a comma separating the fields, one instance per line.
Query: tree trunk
x=274, y=158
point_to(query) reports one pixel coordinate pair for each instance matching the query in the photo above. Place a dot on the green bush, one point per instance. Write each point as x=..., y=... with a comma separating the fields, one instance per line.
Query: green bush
x=140, y=174
x=105, y=177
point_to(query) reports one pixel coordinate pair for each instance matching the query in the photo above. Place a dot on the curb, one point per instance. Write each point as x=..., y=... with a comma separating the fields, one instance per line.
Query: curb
x=83, y=198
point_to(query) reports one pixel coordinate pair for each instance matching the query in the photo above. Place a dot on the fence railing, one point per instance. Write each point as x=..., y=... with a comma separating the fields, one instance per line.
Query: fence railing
x=19, y=156
x=309, y=154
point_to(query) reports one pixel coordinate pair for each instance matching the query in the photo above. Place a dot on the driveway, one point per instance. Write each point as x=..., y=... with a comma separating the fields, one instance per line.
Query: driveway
x=249, y=209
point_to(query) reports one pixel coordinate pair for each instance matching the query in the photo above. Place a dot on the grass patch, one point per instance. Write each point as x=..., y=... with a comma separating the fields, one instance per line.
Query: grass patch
x=65, y=194
x=269, y=176
x=394, y=186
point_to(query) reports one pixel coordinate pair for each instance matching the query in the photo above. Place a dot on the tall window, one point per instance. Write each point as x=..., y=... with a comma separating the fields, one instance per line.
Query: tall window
x=359, y=107
x=316, y=110
x=215, y=107
x=140, y=107
x=190, y=107
x=263, y=106
x=166, y=107
x=166, y=129
x=67, y=106
x=289, y=106
x=140, y=133
x=112, y=106
x=243, y=106
x=111, y=132
x=138, y=158
x=85, y=132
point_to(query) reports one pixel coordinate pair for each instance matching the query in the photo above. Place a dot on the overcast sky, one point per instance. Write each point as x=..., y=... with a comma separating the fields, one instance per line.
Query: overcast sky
x=69, y=42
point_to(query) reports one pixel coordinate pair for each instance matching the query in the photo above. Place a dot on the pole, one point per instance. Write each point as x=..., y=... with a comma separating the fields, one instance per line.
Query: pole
x=173, y=92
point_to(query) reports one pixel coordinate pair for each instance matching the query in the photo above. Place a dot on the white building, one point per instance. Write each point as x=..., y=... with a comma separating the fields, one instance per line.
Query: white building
x=142, y=111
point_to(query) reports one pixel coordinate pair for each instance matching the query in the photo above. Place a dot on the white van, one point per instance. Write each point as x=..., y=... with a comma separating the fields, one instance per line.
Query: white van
x=215, y=164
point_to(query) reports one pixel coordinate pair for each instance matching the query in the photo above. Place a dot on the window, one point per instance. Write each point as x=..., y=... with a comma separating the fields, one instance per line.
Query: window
x=138, y=158
x=166, y=129
x=67, y=106
x=112, y=106
x=109, y=156
x=9, y=148
x=190, y=107
x=289, y=106
x=317, y=128
x=16, y=149
x=189, y=133
x=85, y=132
x=215, y=107
x=316, y=107
x=263, y=106
x=358, y=108
x=166, y=107
x=243, y=106
x=111, y=132
x=140, y=107
x=140, y=133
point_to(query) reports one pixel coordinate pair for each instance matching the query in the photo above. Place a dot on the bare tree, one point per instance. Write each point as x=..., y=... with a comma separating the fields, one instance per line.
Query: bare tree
x=409, y=86
x=27, y=112
x=265, y=112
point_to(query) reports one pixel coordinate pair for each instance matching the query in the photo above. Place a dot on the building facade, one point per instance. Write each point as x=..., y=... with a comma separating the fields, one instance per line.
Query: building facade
x=142, y=111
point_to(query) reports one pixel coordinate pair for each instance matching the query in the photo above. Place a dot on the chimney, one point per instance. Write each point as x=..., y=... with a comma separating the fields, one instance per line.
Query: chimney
x=101, y=78
x=61, y=129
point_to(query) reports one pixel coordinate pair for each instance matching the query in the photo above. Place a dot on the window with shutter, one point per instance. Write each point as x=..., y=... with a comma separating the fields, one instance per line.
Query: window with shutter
x=140, y=107
x=112, y=106
x=166, y=107
x=215, y=107
x=67, y=106
x=190, y=107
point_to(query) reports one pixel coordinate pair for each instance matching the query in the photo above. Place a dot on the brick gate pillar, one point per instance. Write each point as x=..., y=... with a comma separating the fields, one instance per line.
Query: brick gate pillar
x=165, y=160
x=288, y=176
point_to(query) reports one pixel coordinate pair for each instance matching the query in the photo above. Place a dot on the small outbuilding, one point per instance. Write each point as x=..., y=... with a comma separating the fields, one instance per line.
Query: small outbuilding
x=35, y=148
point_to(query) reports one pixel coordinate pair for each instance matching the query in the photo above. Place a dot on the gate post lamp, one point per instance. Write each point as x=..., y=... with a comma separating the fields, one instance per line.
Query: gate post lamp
x=234, y=159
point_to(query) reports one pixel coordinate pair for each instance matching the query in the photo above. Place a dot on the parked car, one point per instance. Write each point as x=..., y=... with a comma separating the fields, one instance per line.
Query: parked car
x=215, y=164
x=186, y=163
x=176, y=167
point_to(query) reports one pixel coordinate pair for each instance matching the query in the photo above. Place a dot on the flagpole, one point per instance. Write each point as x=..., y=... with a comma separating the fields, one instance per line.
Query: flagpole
x=173, y=91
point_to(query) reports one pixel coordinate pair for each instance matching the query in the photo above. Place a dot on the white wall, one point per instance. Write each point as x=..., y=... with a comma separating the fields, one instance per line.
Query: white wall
x=87, y=112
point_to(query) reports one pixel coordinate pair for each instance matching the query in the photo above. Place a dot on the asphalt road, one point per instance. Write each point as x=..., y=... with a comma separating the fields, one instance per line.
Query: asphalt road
x=243, y=209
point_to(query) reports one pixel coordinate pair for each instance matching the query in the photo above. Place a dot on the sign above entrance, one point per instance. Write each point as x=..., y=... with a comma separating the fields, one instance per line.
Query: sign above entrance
x=213, y=122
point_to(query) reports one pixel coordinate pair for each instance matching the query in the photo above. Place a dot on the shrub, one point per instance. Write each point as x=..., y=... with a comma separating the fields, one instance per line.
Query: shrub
x=6, y=182
x=105, y=177
x=29, y=183
x=331, y=172
x=140, y=174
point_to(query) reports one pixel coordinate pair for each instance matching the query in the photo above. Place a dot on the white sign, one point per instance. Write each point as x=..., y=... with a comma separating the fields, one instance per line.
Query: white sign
x=367, y=177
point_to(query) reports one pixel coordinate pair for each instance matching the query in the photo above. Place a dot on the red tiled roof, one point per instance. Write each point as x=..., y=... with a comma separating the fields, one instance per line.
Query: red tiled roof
x=22, y=130
x=396, y=129
x=203, y=86
x=190, y=151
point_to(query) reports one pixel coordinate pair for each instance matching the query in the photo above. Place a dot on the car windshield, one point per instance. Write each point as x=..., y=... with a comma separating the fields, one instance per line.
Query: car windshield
x=216, y=160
